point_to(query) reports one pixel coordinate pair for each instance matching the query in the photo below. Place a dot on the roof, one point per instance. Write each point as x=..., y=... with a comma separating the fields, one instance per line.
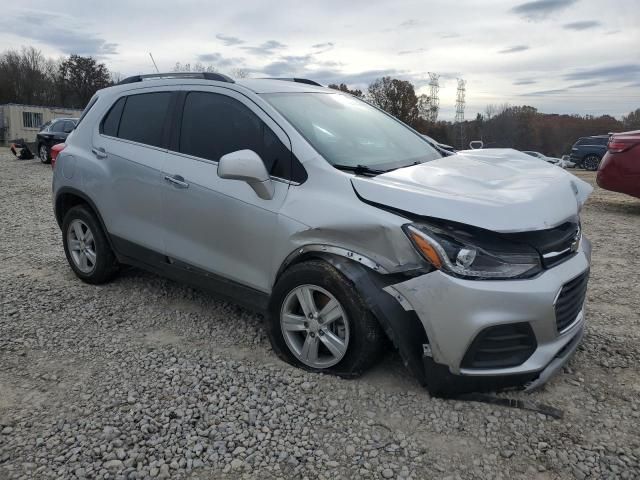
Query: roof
x=39, y=106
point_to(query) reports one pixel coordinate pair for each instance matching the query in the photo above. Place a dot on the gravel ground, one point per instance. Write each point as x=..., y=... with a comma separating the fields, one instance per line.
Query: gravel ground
x=147, y=378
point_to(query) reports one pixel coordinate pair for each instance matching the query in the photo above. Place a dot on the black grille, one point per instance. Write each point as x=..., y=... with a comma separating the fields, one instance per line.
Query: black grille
x=555, y=245
x=562, y=247
x=501, y=346
x=570, y=301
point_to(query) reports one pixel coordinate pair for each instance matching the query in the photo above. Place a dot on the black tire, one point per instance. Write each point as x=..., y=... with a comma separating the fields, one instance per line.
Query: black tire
x=106, y=265
x=46, y=158
x=366, y=339
x=591, y=163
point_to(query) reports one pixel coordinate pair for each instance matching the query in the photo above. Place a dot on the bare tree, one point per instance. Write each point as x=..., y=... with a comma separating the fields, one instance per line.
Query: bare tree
x=198, y=67
x=490, y=110
x=239, y=73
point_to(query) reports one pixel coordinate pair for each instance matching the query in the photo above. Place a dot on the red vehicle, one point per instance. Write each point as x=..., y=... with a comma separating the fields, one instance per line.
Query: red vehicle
x=55, y=150
x=620, y=167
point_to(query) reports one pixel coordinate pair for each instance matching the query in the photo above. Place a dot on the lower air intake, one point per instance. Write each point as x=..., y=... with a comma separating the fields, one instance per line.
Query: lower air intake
x=501, y=346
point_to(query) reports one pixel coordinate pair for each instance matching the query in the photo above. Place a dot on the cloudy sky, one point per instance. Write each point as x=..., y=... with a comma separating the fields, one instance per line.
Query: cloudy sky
x=561, y=56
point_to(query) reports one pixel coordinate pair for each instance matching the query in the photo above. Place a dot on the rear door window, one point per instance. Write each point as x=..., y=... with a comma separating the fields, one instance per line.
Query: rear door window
x=143, y=118
x=58, y=127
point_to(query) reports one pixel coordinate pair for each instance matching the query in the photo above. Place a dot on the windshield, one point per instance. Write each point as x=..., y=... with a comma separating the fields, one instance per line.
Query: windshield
x=349, y=132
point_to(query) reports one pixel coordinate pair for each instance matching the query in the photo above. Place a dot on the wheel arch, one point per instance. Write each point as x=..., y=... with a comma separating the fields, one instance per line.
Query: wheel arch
x=67, y=198
x=402, y=326
x=323, y=251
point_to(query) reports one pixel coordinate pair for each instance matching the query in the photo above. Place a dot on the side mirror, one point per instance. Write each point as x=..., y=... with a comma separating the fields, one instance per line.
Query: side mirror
x=476, y=144
x=246, y=165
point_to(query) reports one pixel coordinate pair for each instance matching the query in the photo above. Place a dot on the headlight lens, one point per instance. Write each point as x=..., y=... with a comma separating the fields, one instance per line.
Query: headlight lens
x=473, y=255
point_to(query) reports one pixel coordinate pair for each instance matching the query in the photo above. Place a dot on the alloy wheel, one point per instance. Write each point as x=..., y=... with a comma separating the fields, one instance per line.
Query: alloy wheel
x=591, y=163
x=82, y=246
x=315, y=326
x=43, y=154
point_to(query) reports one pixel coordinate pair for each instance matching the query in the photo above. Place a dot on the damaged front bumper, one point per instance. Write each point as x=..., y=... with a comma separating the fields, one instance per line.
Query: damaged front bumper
x=454, y=312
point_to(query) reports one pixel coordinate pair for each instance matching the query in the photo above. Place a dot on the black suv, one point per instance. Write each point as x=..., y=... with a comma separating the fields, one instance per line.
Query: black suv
x=52, y=133
x=588, y=151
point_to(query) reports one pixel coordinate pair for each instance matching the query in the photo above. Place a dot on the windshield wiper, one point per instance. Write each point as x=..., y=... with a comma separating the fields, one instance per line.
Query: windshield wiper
x=360, y=169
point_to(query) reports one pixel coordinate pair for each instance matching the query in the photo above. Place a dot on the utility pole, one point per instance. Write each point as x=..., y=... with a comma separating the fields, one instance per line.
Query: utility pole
x=434, y=100
x=460, y=94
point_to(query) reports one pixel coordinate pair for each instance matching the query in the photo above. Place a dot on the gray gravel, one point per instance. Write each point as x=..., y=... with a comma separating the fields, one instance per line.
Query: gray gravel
x=147, y=378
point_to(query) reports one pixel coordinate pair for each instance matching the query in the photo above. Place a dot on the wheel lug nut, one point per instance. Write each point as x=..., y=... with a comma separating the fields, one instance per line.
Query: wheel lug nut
x=312, y=334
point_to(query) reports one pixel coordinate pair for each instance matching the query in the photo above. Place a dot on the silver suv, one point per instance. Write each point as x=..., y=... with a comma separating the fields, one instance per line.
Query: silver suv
x=340, y=223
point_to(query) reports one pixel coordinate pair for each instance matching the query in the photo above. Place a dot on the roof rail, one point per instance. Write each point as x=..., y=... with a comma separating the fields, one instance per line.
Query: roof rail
x=297, y=80
x=218, y=77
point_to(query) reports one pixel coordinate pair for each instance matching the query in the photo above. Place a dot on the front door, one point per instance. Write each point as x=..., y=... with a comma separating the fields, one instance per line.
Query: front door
x=218, y=225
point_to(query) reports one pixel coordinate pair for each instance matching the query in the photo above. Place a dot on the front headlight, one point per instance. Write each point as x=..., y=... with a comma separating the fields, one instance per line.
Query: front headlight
x=473, y=253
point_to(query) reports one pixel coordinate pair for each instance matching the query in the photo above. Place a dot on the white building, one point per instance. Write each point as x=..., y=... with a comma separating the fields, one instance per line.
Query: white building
x=24, y=121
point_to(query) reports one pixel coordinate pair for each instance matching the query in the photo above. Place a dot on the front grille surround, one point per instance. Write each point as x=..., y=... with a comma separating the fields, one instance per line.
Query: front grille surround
x=570, y=301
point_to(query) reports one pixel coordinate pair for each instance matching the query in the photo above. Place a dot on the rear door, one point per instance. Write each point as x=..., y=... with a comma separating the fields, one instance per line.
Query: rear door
x=213, y=224
x=131, y=146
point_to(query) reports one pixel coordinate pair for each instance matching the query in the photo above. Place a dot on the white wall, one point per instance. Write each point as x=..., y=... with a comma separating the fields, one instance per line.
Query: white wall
x=13, y=120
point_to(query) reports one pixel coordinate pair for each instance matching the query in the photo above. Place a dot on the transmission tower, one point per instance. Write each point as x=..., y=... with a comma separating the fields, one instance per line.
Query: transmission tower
x=460, y=94
x=434, y=100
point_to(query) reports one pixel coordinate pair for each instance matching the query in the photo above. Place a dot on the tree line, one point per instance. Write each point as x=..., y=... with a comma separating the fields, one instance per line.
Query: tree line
x=28, y=77
x=499, y=126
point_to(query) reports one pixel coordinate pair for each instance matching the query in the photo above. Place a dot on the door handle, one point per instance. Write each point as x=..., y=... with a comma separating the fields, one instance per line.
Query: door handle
x=176, y=180
x=99, y=152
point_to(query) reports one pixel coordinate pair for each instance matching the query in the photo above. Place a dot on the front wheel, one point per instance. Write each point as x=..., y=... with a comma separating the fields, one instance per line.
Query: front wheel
x=317, y=321
x=43, y=153
x=591, y=162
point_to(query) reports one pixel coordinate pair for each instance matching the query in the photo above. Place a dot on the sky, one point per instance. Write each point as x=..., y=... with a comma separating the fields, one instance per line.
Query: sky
x=560, y=56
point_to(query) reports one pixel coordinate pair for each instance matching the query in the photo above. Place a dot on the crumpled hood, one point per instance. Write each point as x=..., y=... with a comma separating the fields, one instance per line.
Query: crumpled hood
x=497, y=189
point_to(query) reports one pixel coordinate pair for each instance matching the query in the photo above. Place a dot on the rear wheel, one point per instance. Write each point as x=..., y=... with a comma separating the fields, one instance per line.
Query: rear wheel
x=318, y=321
x=591, y=162
x=43, y=153
x=86, y=246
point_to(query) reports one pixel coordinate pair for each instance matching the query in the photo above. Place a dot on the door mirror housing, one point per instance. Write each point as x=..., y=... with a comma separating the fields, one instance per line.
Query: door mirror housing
x=246, y=165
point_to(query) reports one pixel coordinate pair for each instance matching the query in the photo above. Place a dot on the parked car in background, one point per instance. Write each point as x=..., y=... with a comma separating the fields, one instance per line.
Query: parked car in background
x=620, y=168
x=588, y=151
x=338, y=221
x=52, y=133
x=566, y=162
x=541, y=156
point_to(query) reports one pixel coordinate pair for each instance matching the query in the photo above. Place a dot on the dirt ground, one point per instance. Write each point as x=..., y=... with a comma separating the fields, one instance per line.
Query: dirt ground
x=144, y=377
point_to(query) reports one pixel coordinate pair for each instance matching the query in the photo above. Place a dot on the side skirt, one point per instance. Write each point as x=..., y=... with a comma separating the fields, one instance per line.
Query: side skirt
x=135, y=255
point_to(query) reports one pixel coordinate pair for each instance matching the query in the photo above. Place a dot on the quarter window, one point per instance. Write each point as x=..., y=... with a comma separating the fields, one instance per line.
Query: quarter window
x=214, y=125
x=112, y=120
x=143, y=118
